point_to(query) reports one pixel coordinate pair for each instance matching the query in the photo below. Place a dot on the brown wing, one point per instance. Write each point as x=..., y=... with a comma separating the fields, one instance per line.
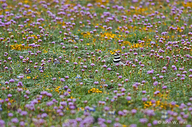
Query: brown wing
x=123, y=60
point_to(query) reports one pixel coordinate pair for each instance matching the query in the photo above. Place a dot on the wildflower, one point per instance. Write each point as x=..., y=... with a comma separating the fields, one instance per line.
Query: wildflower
x=6, y=82
x=41, y=68
x=11, y=80
x=62, y=79
x=9, y=95
x=155, y=83
x=91, y=109
x=164, y=87
x=112, y=113
x=2, y=123
x=155, y=122
x=143, y=120
x=150, y=72
x=133, y=125
x=78, y=77
x=133, y=111
x=27, y=70
x=66, y=77
x=54, y=78
x=14, y=120
x=144, y=99
x=20, y=76
x=56, y=62
x=10, y=114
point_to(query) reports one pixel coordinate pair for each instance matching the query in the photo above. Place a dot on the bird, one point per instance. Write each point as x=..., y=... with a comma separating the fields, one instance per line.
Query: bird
x=164, y=115
x=118, y=60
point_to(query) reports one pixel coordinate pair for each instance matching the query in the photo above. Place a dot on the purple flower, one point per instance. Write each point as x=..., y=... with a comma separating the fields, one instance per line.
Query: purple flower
x=120, y=113
x=62, y=79
x=66, y=87
x=106, y=108
x=133, y=125
x=23, y=113
x=63, y=103
x=14, y=120
x=149, y=124
x=133, y=111
x=92, y=64
x=11, y=80
x=155, y=122
x=117, y=125
x=143, y=120
x=22, y=124
x=10, y=114
x=49, y=103
x=123, y=47
x=150, y=72
x=150, y=112
x=66, y=77
x=20, y=84
x=109, y=69
x=49, y=94
x=6, y=82
x=44, y=115
x=144, y=99
x=2, y=123
x=174, y=67
x=134, y=1
x=96, y=82
x=143, y=92
x=128, y=98
x=155, y=83
x=9, y=95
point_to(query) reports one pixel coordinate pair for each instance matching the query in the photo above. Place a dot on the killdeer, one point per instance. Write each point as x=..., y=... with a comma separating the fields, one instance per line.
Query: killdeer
x=118, y=60
x=164, y=115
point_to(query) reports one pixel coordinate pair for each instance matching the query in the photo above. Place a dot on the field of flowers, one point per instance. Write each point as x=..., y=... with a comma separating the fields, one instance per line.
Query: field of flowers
x=56, y=63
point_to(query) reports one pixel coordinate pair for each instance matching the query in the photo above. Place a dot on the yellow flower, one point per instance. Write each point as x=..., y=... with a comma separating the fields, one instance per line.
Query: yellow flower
x=26, y=1
x=150, y=104
x=188, y=4
x=45, y=51
x=112, y=52
x=11, y=101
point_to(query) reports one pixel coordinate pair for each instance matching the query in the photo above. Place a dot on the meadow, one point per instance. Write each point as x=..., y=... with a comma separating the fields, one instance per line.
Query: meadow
x=57, y=70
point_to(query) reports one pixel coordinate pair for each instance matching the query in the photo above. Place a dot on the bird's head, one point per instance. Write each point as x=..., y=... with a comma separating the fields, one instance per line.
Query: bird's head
x=116, y=54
